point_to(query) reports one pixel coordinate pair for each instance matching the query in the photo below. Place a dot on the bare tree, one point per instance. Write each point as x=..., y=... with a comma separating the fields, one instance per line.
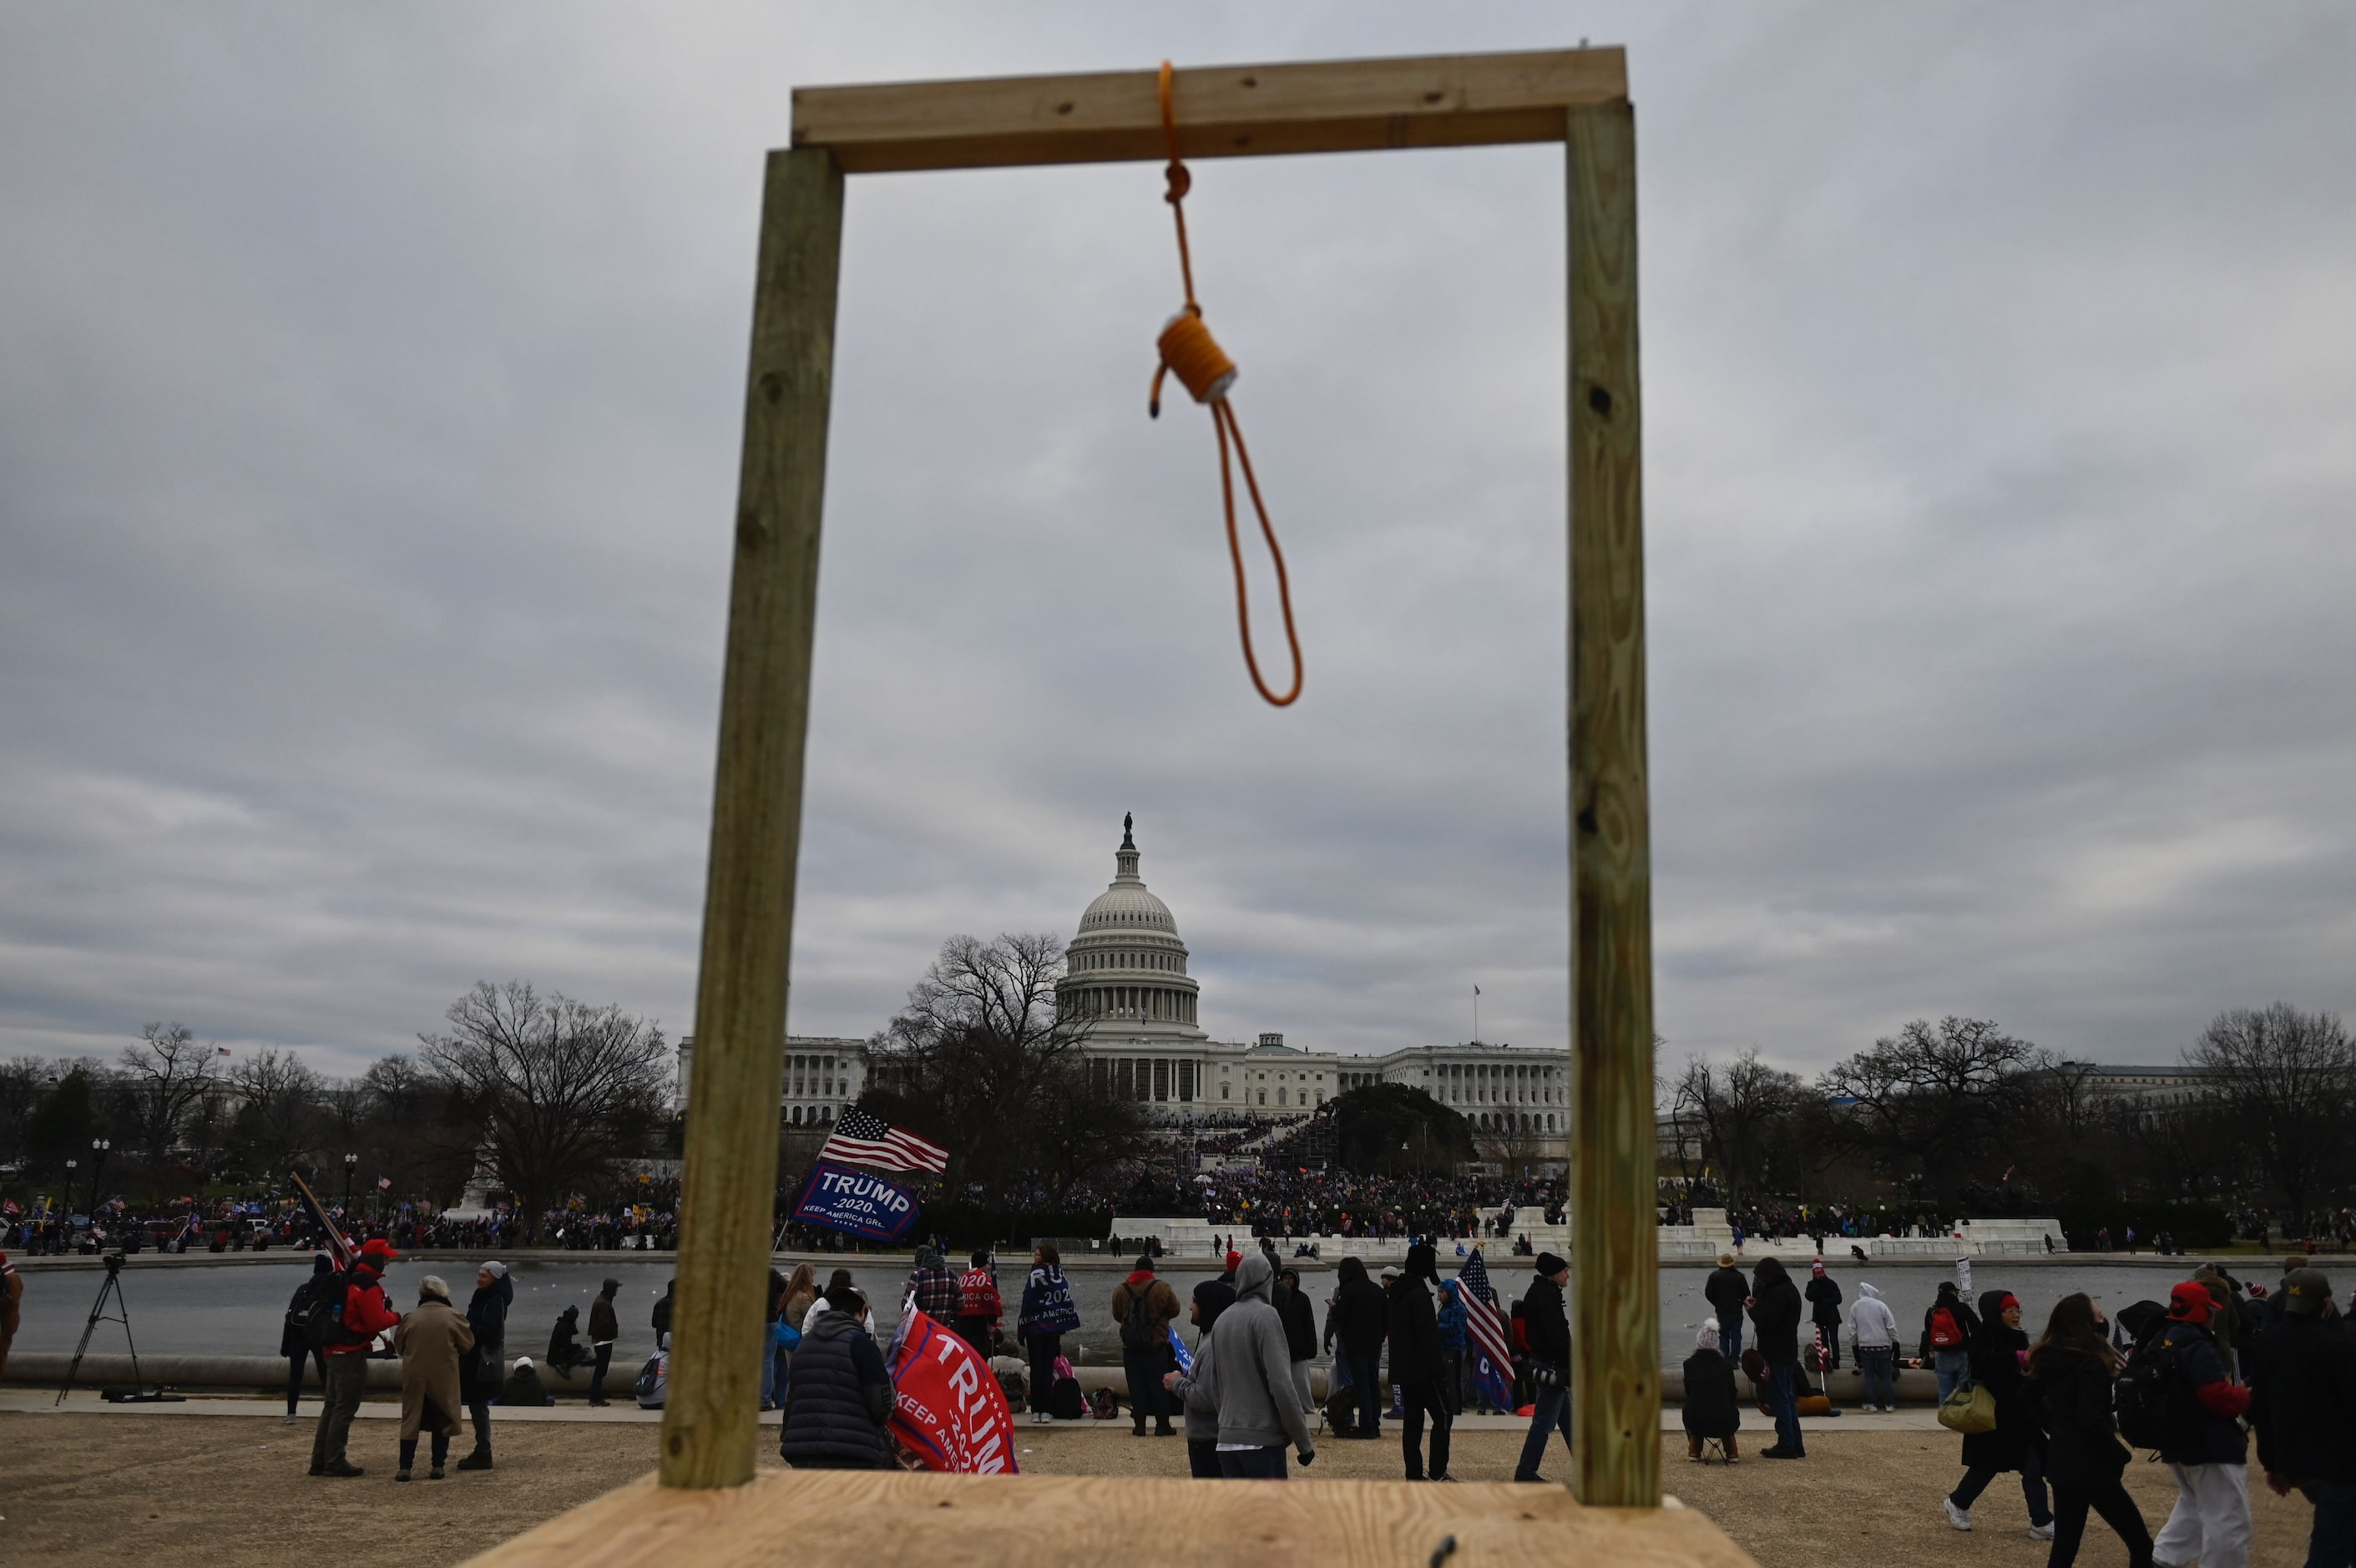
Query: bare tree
x=278, y=1113
x=165, y=1075
x=1744, y=1113
x=980, y=1062
x=1939, y=1100
x=565, y=1089
x=2286, y=1079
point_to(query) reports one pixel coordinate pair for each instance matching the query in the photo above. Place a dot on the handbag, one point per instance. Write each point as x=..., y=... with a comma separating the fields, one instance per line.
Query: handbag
x=1970, y=1409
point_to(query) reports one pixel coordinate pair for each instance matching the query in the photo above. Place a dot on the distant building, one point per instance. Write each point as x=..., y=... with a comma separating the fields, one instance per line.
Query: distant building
x=1126, y=982
x=2166, y=1087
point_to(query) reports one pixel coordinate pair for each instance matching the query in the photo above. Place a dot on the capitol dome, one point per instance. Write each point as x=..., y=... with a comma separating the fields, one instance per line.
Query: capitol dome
x=1125, y=974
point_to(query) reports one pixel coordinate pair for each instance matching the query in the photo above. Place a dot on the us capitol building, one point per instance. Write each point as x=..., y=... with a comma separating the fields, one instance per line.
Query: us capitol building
x=1126, y=981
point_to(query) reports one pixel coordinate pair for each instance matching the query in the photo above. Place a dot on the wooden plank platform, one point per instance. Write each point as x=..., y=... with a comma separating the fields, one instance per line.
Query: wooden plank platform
x=1223, y=112
x=1086, y=1521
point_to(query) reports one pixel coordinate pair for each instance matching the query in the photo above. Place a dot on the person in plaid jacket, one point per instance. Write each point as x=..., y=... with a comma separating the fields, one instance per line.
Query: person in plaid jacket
x=935, y=1288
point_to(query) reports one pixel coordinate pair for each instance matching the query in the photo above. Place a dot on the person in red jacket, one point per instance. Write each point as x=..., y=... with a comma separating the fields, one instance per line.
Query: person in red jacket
x=364, y=1315
x=978, y=1307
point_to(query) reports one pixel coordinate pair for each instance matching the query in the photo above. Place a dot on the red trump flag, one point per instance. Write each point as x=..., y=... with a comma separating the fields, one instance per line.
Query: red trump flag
x=947, y=1408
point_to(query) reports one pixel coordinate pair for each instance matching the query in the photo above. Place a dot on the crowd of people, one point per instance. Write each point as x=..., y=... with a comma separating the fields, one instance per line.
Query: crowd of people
x=2192, y=1381
x=232, y=1226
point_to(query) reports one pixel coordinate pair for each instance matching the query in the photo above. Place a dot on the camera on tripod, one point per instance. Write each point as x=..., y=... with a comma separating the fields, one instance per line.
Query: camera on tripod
x=113, y=1261
x=135, y=1391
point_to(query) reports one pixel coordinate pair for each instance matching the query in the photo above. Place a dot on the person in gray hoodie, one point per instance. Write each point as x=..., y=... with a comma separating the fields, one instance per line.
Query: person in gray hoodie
x=1873, y=1335
x=1249, y=1380
x=1212, y=1299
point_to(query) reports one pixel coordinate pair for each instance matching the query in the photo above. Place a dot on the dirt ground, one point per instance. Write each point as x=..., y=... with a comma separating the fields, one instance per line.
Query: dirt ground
x=123, y=1488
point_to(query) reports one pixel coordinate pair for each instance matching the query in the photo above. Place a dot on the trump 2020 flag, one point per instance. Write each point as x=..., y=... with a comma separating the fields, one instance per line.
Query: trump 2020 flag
x=946, y=1407
x=1485, y=1333
x=1185, y=1358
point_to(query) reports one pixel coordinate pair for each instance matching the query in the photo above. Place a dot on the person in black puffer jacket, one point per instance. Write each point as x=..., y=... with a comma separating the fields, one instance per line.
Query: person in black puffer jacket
x=1360, y=1319
x=2071, y=1371
x=1999, y=1354
x=839, y=1395
x=1414, y=1363
x=1775, y=1324
x=1712, y=1413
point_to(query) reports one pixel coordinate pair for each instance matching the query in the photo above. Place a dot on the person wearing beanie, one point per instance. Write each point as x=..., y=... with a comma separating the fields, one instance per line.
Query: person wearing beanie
x=433, y=1343
x=1998, y=1354
x=1712, y=1413
x=1360, y=1319
x=1193, y=1389
x=605, y=1328
x=2207, y=1453
x=1416, y=1365
x=1145, y=1308
x=362, y=1317
x=2301, y=1409
x=1233, y=1260
x=564, y=1351
x=486, y=1314
x=523, y=1390
x=1775, y=1324
x=1547, y=1326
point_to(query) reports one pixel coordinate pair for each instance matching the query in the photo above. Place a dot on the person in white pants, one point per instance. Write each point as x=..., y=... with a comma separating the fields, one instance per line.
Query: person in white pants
x=2209, y=1453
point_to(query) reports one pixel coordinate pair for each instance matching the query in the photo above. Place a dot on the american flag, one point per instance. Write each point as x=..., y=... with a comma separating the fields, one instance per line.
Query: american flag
x=861, y=1138
x=1492, y=1355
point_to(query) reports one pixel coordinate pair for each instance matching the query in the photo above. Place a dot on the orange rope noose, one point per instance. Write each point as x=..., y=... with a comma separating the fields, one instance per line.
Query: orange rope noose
x=1189, y=351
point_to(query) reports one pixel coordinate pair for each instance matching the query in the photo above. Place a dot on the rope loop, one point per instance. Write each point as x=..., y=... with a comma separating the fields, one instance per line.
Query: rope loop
x=1189, y=351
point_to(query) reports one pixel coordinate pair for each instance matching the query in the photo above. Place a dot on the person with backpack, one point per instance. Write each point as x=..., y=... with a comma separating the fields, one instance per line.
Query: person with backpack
x=1999, y=1359
x=1046, y=1314
x=1824, y=1311
x=1415, y=1367
x=1947, y=1329
x=1360, y=1320
x=978, y=1307
x=839, y=1397
x=1873, y=1335
x=486, y=1314
x=1726, y=1290
x=1194, y=1389
x=2071, y=1370
x=2189, y=1409
x=2303, y=1409
x=1775, y=1318
x=295, y=1338
x=1145, y=1308
x=353, y=1314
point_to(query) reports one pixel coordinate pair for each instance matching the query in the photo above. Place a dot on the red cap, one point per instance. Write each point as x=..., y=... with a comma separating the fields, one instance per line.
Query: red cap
x=377, y=1252
x=2189, y=1302
x=2007, y=1302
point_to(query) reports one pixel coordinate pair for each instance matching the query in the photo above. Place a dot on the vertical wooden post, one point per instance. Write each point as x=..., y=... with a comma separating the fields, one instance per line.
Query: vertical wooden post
x=756, y=814
x=1615, y=1251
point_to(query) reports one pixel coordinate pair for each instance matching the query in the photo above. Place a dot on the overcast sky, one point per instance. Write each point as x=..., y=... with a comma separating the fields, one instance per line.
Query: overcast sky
x=370, y=396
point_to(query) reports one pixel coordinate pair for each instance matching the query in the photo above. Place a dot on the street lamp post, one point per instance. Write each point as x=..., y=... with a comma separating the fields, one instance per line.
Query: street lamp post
x=98, y=1148
x=71, y=1166
x=351, y=1162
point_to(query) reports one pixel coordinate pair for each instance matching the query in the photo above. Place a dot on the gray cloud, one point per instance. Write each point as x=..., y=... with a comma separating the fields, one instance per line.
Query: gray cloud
x=369, y=399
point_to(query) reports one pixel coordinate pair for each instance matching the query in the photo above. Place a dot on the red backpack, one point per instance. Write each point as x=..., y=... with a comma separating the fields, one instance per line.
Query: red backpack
x=1946, y=1334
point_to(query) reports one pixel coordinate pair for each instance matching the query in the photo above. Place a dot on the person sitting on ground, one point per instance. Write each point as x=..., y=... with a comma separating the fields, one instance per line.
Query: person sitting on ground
x=840, y=1396
x=523, y=1386
x=1712, y=1413
x=433, y=1343
x=564, y=1351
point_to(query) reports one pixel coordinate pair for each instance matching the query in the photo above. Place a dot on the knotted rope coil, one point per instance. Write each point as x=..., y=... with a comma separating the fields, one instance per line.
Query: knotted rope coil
x=1202, y=368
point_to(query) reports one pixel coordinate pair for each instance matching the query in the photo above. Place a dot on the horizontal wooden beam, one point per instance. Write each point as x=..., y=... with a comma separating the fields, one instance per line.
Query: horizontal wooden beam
x=1223, y=112
x=1083, y=1521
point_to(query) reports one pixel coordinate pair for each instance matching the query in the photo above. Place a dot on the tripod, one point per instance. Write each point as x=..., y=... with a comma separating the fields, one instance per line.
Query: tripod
x=112, y=1286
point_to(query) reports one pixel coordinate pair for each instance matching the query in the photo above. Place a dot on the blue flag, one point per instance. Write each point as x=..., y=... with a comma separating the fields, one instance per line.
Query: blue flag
x=1178, y=1349
x=855, y=1203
